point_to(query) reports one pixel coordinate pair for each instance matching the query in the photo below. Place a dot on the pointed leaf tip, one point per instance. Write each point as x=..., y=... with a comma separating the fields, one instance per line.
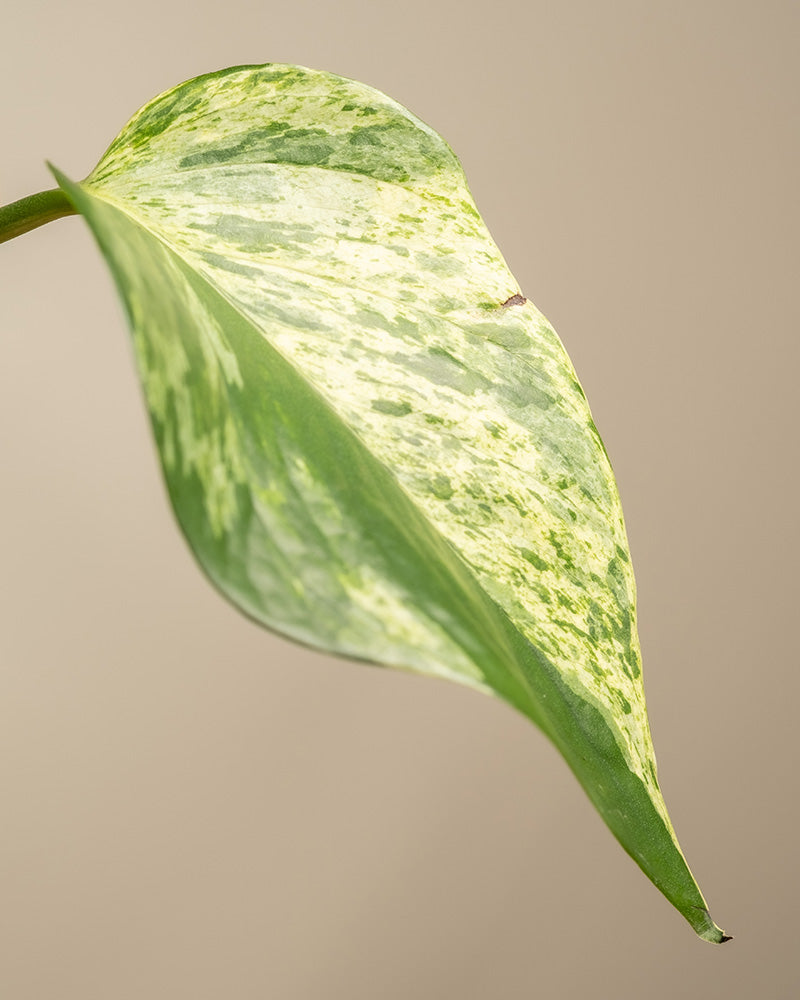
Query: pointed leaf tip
x=705, y=927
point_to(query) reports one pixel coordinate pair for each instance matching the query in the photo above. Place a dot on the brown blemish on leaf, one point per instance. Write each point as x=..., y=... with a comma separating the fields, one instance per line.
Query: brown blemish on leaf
x=515, y=300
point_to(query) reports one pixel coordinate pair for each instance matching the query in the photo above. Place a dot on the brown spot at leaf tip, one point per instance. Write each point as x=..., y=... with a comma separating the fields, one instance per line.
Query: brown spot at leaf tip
x=726, y=937
x=515, y=300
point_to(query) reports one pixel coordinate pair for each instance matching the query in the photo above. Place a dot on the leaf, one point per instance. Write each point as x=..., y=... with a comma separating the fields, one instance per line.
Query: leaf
x=372, y=441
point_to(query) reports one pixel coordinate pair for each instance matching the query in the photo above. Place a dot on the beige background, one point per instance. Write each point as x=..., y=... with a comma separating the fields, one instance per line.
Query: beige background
x=192, y=808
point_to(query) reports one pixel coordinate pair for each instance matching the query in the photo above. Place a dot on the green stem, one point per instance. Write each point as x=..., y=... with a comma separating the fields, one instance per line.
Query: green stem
x=21, y=216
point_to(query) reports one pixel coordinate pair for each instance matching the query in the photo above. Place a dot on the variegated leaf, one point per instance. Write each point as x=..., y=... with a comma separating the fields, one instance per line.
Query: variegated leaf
x=372, y=441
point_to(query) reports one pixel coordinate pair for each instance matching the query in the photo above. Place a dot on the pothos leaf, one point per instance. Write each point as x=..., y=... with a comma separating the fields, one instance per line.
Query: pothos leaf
x=372, y=441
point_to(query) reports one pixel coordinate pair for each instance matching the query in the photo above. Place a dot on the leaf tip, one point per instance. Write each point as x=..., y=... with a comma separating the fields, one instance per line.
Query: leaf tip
x=706, y=928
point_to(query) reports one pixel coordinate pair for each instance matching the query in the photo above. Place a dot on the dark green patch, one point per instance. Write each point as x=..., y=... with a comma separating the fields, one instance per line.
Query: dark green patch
x=565, y=601
x=445, y=304
x=535, y=560
x=494, y=429
x=397, y=326
x=505, y=332
x=394, y=151
x=632, y=664
x=255, y=234
x=522, y=394
x=439, y=265
x=407, y=326
x=440, y=368
x=596, y=622
x=391, y=408
x=476, y=490
x=561, y=552
x=515, y=502
x=569, y=626
x=303, y=133
x=615, y=579
x=371, y=135
x=441, y=487
x=227, y=264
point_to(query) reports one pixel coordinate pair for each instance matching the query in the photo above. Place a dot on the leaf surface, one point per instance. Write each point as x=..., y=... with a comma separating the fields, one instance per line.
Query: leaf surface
x=372, y=441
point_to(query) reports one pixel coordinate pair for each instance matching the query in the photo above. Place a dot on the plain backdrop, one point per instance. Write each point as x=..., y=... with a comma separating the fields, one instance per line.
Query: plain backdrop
x=193, y=808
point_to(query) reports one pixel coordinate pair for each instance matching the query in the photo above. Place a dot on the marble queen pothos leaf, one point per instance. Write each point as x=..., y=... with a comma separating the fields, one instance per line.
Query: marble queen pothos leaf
x=373, y=442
